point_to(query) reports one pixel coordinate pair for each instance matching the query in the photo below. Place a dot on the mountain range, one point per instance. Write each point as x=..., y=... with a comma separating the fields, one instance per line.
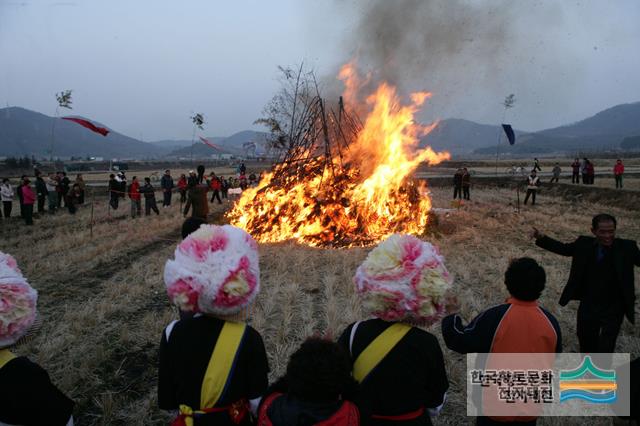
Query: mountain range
x=604, y=131
x=26, y=132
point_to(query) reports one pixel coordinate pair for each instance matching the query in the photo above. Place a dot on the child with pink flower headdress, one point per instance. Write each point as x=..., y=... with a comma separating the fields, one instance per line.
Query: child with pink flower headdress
x=400, y=367
x=27, y=396
x=213, y=367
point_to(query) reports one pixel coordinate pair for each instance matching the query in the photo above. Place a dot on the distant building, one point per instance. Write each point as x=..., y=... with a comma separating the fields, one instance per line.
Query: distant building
x=223, y=156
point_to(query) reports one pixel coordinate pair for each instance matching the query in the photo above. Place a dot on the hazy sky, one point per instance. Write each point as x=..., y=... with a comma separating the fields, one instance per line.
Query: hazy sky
x=143, y=67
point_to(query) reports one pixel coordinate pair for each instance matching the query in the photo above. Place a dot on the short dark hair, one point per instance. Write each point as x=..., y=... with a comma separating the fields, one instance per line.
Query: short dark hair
x=319, y=371
x=147, y=179
x=525, y=279
x=603, y=217
x=112, y=176
x=5, y=180
x=190, y=225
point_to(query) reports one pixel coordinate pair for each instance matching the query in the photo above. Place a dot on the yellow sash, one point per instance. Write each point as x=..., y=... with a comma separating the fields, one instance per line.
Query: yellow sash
x=221, y=363
x=218, y=370
x=5, y=357
x=378, y=349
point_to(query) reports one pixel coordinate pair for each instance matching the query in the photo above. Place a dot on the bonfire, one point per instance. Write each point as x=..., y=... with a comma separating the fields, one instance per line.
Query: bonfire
x=344, y=180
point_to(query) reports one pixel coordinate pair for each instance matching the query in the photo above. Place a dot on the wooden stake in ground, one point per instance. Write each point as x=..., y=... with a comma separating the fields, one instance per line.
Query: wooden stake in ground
x=91, y=223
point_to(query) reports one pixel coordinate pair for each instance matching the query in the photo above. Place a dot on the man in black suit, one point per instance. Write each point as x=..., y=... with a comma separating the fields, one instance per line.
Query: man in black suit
x=601, y=278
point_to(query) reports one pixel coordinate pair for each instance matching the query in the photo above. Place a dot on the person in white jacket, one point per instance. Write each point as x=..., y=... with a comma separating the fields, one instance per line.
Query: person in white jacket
x=6, y=195
x=52, y=186
x=533, y=182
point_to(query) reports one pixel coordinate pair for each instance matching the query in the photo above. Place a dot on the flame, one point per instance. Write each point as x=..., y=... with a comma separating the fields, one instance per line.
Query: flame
x=365, y=196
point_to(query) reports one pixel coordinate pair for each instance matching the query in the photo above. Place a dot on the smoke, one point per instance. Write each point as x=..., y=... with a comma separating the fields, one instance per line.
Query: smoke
x=466, y=52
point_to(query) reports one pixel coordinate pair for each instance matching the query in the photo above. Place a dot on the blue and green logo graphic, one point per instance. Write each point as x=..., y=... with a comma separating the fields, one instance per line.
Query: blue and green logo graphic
x=589, y=383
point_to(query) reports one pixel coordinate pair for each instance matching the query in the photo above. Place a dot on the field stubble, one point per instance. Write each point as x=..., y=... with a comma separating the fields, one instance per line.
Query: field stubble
x=103, y=303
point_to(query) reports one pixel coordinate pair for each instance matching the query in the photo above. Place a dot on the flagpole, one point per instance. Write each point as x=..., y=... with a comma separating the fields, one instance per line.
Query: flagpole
x=507, y=103
x=53, y=128
x=504, y=116
x=193, y=137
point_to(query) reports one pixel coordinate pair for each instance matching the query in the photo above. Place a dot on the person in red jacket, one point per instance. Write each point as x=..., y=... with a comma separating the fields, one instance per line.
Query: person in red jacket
x=28, y=199
x=134, y=195
x=618, y=170
x=182, y=188
x=215, y=186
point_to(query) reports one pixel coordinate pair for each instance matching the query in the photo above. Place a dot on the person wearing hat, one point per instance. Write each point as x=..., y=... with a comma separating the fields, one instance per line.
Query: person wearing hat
x=402, y=283
x=27, y=396
x=213, y=367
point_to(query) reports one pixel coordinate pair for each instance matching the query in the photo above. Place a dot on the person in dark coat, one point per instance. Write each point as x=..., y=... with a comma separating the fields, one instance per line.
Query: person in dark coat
x=406, y=382
x=457, y=184
x=114, y=188
x=224, y=187
x=41, y=191
x=213, y=368
x=65, y=185
x=601, y=278
x=166, y=183
x=575, y=171
x=536, y=165
x=122, y=181
x=591, y=173
x=197, y=195
x=59, y=188
x=583, y=170
x=466, y=184
x=27, y=394
x=83, y=186
x=74, y=198
x=19, y=192
x=149, y=197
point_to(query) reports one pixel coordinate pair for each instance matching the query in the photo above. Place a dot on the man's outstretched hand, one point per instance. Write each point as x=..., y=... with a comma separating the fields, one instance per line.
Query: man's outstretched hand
x=535, y=233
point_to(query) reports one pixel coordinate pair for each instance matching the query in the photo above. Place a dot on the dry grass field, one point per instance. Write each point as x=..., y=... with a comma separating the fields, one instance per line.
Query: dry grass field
x=103, y=305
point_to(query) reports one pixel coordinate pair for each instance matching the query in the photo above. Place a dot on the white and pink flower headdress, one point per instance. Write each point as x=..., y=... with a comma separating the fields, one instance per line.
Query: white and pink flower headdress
x=215, y=271
x=17, y=302
x=404, y=279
